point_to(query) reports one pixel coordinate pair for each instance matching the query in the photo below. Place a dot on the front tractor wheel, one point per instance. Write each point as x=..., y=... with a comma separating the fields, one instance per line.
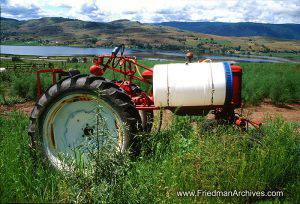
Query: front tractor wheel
x=80, y=115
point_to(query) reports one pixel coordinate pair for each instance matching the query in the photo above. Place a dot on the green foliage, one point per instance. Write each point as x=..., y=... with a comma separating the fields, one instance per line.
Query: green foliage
x=2, y=93
x=5, y=76
x=278, y=82
x=15, y=59
x=179, y=158
x=20, y=181
x=25, y=85
x=10, y=100
x=74, y=60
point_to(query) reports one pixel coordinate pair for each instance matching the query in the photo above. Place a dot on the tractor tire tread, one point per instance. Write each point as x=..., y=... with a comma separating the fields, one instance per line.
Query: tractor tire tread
x=94, y=83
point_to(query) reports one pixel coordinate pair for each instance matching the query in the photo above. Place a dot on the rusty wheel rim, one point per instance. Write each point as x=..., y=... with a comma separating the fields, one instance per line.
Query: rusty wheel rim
x=70, y=129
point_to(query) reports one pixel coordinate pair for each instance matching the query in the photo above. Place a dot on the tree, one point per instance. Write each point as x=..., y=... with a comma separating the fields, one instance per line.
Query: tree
x=2, y=93
x=15, y=59
x=74, y=60
x=93, y=40
x=84, y=60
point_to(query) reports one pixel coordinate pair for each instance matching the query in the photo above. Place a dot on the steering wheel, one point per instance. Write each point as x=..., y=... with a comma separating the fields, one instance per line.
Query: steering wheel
x=115, y=52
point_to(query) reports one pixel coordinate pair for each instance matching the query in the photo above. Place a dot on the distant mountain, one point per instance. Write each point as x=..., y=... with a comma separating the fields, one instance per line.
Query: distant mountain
x=73, y=32
x=64, y=31
x=282, y=31
x=9, y=24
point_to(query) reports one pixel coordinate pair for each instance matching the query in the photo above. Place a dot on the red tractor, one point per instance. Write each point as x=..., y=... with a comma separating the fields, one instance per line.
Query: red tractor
x=64, y=115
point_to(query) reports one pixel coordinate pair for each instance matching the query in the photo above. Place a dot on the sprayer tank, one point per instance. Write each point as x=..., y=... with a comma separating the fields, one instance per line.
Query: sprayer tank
x=195, y=84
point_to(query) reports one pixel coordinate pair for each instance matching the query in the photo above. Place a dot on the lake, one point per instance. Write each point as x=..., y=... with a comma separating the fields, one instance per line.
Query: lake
x=55, y=50
x=146, y=54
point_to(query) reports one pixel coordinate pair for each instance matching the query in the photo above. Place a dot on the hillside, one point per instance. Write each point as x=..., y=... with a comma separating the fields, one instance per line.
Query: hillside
x=72, y=32
x=282, y=31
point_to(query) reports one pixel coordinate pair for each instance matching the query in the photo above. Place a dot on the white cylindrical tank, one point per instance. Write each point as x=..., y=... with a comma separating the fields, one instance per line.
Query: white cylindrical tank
x=193, y=84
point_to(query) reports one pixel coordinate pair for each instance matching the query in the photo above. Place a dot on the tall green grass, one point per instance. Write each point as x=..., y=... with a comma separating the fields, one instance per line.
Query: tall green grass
x=277, y=82
x=20, y=181
x=25, y=85
x=182, y=157
x=20, y=86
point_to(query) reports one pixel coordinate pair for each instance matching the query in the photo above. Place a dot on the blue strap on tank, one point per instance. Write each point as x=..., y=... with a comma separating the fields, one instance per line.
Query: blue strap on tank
x=229, y=82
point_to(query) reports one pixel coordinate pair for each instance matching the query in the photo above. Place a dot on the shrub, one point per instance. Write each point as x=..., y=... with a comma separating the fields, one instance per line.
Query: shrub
x=277, y=82
x=2, y=94
x=22, y=86
x=5, y=76
x=10, y=100
x=15, y=59
x=25, y=85
x=74, y=60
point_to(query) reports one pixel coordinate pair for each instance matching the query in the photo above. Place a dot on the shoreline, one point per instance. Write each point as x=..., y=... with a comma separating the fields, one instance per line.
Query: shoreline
x=154, y=53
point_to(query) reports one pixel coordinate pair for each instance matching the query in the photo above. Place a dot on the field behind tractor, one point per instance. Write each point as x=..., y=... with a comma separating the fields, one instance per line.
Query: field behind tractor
x=172, y=164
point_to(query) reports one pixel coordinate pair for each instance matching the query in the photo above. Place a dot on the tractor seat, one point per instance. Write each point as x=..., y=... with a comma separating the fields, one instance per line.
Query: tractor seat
x=148, y=74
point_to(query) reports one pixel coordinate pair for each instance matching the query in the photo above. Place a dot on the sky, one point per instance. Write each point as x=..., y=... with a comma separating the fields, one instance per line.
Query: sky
x=154, y=11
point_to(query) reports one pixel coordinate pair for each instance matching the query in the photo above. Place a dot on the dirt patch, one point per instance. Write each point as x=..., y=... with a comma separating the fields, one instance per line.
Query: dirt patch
x=263, y=111
x=260, y=113
x=23, y=107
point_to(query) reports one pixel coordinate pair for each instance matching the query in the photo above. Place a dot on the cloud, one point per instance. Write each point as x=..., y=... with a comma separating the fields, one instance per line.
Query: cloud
x=65, y=6
x=130, y=12
x=86, y=8
x=21, y=12
x=166, y=11
x=265, y=11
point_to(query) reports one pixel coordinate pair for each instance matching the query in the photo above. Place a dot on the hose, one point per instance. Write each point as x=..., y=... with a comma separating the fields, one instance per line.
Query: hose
x=136, y=67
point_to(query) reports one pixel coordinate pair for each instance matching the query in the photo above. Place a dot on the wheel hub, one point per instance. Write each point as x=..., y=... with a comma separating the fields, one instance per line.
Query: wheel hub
x=73, y=125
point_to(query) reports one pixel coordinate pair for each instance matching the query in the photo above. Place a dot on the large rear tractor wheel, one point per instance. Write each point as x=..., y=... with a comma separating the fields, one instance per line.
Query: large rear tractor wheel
x=82, y=113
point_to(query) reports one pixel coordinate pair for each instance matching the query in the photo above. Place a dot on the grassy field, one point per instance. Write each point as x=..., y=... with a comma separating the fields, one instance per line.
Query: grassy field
x=276, y=82
x=179, y=159
x=291, y=56
x=13, y=42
